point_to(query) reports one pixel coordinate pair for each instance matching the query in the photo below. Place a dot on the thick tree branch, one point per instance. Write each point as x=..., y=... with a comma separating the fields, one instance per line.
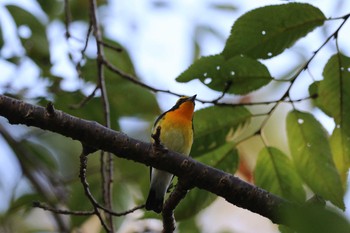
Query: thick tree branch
x=90, y=133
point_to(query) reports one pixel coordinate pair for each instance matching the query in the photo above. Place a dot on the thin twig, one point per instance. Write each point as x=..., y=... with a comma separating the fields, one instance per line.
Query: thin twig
x=344, y=17
x=85, y=100
x=106, y=161
x=68, y=17
x=228, y=85
x=82, y=175
x=46, y=207
x=134, y=80
x=100, y=58
x=87, y=39
x=120, y=213
x=117, y=49
x=83, y=50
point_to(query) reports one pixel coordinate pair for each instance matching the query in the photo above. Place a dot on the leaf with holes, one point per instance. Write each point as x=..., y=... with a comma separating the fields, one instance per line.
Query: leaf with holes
x=265, y=32
x=312, y=156
x=215, y=126
x=205, y=69
x=275, y=173
x=245, y=75
x=242, y=74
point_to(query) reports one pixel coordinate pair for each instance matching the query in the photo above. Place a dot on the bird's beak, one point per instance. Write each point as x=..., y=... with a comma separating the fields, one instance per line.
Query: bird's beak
x=192, y=98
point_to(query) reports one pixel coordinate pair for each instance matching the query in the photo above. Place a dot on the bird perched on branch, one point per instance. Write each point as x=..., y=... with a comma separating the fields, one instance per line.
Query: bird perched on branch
x=175, y=132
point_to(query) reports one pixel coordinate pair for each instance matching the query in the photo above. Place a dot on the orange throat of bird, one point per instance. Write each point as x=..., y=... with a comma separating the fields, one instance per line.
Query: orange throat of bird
x=183, y=113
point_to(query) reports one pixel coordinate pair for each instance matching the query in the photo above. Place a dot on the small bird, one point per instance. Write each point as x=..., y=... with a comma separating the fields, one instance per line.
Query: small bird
x=176, y=134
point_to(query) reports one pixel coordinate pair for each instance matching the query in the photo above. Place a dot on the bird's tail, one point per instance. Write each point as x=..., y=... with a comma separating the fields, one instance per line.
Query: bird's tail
x=154, y=202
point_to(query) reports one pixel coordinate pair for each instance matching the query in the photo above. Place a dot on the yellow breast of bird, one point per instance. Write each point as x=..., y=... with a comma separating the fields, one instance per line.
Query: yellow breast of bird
x=176, y=133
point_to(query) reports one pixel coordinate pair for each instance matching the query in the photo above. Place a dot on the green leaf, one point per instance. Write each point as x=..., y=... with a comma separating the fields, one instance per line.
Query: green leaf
x=42, y=157
x=23, y=202
x=285, y=229
x=217, y=73
x=224, y=158
x=65, y=100
x=334, y=90
x=121, y=199
x=195, y=201
x=315, y=219
x=122, y=99
x=66, y=153
x=78, y=199
x=37, y=45
x=2, y=42
x=340, y=146
x=204, y=68
x=33, y=154
x=312, y=156
x=275, y=173
x=313, y=88
x=246, y=75
x=188, y=225
x=120, y=59
x=53, y=9
x=215, y=126
x=333, y=99
x=265, y=32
